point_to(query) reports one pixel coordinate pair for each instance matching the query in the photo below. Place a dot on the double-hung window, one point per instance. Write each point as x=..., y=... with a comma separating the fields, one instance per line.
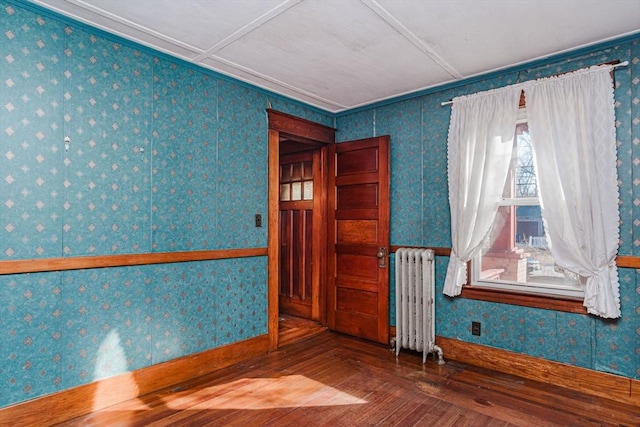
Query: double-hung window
x=499, y=190
x=515, y=256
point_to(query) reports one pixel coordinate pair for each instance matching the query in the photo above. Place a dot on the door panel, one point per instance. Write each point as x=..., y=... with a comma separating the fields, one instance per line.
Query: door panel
x=357, y=231
x=356, y=162
x=358, y=289
x=357, y=196
x=357, y=267
x=295, y=266
x=357, y=301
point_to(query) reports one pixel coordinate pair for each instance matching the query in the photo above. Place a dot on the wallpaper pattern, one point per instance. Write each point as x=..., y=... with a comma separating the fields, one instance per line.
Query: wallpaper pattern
x=60, y=330
x=167, y=157
x=162, y=157
x=31, y=119
x=419, y=129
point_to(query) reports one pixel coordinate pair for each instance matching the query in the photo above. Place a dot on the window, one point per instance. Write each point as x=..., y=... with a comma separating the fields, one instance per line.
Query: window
x=572, y=123
x=516, y=256
x=296, y=181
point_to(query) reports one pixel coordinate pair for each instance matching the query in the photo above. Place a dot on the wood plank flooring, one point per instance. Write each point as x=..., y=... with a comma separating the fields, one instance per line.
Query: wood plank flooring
x=293, y=329
x=335, y=380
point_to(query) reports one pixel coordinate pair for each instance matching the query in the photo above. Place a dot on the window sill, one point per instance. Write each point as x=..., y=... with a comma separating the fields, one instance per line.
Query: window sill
x=526, y=300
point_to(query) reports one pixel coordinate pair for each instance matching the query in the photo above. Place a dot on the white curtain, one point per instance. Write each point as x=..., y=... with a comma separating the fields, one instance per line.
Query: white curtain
x=480, y=143
x=572, y=126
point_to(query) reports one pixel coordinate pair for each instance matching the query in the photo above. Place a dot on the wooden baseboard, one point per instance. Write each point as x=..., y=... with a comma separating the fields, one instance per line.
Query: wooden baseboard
x=587, y=381
x=84, y=399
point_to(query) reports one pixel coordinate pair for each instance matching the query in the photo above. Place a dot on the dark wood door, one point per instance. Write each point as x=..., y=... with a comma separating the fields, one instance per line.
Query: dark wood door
x=298, y=263
x=358, y=227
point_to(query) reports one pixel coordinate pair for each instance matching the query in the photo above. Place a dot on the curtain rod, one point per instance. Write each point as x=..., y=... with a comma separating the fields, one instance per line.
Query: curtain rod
x=620, y=64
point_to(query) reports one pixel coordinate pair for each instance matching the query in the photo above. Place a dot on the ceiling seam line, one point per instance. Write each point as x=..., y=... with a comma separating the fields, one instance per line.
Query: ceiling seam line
x=248, y=28
x=394, y=23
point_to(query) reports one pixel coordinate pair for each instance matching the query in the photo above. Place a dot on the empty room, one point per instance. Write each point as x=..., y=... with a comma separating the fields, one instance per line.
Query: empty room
x=320, y=212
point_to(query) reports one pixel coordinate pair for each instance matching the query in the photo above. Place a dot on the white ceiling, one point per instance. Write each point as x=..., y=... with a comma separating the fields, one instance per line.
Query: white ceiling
x=342, y=54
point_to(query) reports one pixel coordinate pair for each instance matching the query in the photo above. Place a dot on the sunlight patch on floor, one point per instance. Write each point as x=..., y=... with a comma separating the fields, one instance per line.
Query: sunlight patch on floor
x=292, y=391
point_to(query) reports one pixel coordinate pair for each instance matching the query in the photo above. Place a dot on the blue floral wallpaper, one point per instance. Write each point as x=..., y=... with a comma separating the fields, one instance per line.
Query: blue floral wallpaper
x=162, y=157
x=60, y=330
x=32, y=163
x=104, y=196
x=420, y=216
x=184, y=158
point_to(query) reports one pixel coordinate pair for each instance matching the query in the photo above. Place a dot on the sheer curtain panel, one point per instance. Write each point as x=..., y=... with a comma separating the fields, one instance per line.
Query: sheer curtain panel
x=572, y=126
x=480, y=143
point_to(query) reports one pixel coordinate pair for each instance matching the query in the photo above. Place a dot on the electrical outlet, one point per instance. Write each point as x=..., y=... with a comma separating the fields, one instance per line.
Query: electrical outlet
x=476, y=328
x=258, y=220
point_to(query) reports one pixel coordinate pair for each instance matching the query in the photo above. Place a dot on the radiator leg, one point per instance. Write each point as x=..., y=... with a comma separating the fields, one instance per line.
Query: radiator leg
x=438, y=350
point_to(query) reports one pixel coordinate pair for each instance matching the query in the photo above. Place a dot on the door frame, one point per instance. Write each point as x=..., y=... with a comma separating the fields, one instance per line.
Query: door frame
x=304, y=132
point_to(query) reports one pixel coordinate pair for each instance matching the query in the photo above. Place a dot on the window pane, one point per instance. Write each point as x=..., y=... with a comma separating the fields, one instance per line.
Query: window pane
x=308, y=190
x=516, y=255
x=296, y=191
x=307, y=170
x=285, y=192
x=296, y=175
x=285, y=173
x=526, y=180
x=517, y=251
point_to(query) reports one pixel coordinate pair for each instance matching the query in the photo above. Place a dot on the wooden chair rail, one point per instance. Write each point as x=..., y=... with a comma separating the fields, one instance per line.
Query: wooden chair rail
x=85, y=262
x=526, y=300
x=102, y=261
x=622, y=261
x=438, y=250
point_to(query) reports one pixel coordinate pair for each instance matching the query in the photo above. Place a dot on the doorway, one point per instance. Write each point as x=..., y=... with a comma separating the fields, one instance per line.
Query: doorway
x=328, y=255
x=299, y=260
x=297, y=225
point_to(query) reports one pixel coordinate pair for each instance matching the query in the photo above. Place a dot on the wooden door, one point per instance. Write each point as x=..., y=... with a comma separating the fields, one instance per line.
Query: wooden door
x=358, y=232
x=298, y=282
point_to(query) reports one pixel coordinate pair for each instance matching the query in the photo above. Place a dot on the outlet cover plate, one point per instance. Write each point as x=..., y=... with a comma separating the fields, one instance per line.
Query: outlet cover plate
x=476, y=328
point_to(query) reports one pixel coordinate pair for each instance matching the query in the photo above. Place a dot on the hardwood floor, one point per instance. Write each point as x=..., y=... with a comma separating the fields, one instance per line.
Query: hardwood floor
x=293, y=329
x=335, y=380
